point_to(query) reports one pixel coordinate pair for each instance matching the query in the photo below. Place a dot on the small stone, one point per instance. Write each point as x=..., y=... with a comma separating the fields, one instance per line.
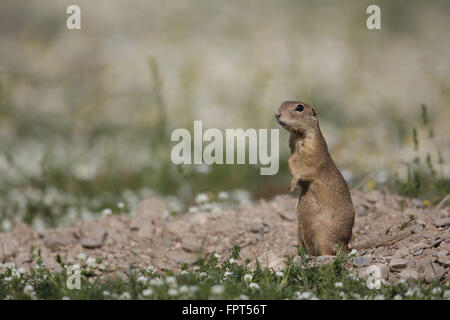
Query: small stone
x=361, y=211
x=402, y=252
x=417, y=228
x=374, y=196
x=8, y=246
x=442, y=253
x=409, y=273
x=397, y=264
x=180, y=257
x=192, y=247
x=437, y=242
x=441, y=222
x=288, y=215
x=361, y=261
x=417, y=203
x=259, y=227
x=432, y=272
x=55, y=242
x=93, y=237
x=22, y=258
x=444, y=261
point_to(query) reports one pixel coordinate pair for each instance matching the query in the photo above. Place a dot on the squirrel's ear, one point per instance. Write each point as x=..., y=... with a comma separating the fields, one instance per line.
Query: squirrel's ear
x=313, y=112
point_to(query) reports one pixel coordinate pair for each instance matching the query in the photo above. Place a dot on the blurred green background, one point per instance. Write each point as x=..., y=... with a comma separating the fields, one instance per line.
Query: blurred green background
x=86, y=115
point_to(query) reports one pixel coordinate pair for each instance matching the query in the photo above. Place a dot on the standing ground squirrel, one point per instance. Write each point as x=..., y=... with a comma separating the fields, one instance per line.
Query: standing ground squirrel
x=325, y=209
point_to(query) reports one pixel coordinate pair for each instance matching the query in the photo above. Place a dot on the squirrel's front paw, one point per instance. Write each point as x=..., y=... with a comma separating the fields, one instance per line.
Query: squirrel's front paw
x=293, y=186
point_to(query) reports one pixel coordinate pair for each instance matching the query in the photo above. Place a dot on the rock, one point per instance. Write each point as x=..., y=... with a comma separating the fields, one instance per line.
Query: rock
x=192, y=247
x=402, y=252
x=8, y=246
x=432, y=272
x=55, y=242
x=22, y=258
x=93, y=237
x=417, y=203
x=441, y=222
x=288, y=215
x=442, y=253
x=150, y=212
x=417, y=228
x=409, y=273
x=379, y=271
x=361, y=211
x=444, y=261
x=361, y=261
x=374, y=196
x=259, y=227
x=397, y=264
x=180, y=257
x=50, y=263
x=437, y=242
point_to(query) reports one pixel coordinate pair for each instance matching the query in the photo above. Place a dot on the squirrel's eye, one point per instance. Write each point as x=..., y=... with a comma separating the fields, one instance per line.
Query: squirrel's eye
x=299, y=108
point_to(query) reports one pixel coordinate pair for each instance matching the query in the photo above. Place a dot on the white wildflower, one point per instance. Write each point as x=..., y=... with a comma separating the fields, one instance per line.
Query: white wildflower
x=142, y=279
x=121, y=205
x=28, y=289
x=172, y=292
x=248, y=277
x=193, y=209
x=147, y=292
x=81, y=256
x=253, y=285
x=125, y=296
x=193, y=288
x=223, y=195
x=171, y=281
x=338, y=285
x=106, y=212
x=436, y=290
x=217, y=289
x=201, y=198
x=243, y=297
x=90, y=261
x=156, y=282
x=279, y=273
x=184, y=289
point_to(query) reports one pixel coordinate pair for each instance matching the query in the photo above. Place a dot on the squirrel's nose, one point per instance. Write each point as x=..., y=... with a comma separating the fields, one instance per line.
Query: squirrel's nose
x=277, y=115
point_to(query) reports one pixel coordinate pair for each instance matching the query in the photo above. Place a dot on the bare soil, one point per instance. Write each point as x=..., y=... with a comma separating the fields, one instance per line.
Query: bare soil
x=265, y=230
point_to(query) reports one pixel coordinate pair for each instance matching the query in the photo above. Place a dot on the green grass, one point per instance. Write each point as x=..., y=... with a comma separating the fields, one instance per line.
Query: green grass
x=208, y=279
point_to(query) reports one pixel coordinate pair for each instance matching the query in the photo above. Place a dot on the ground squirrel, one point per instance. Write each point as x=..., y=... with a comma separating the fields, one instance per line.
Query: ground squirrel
x=325, y=209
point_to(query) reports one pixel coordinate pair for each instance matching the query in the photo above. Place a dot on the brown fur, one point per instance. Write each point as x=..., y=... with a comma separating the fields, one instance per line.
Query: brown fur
x=325, y=209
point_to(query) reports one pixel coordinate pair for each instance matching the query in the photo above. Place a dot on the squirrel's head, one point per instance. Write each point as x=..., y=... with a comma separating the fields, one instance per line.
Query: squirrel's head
x=297, y=116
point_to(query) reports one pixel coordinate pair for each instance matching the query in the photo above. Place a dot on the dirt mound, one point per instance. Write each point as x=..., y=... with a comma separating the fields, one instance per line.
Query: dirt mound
x=265, y=230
